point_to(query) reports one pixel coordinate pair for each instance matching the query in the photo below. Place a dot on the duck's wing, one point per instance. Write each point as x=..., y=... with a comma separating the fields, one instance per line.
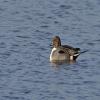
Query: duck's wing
x=72, y=51
x=70, y=47
x=67, y=46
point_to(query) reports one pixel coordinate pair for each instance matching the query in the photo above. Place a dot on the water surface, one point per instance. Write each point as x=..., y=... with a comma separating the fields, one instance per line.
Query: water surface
x=26, y=30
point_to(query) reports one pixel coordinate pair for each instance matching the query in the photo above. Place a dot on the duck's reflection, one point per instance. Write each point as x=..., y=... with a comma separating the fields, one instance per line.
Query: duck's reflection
x=57, y=63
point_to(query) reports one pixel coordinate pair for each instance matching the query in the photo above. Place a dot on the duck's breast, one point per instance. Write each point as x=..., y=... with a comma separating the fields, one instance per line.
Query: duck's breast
x=57, y=54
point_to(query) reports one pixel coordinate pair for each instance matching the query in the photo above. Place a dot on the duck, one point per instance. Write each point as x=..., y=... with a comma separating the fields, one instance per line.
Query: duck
x=61, y=52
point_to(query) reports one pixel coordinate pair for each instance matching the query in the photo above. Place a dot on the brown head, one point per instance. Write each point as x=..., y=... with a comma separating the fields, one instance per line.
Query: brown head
x=56, y=42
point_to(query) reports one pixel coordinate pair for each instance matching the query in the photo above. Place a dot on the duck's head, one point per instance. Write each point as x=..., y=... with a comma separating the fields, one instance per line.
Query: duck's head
x=56, y=42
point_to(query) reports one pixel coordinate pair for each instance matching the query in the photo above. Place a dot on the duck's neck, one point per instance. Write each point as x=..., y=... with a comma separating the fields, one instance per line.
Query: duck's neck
x=57, y=44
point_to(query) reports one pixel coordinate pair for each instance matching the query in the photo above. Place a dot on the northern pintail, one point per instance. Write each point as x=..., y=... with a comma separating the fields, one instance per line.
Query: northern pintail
x=63, y=52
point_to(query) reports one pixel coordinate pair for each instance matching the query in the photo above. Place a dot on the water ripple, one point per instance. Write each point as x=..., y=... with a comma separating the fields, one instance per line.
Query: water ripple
x=65, y=7
x=26, y=31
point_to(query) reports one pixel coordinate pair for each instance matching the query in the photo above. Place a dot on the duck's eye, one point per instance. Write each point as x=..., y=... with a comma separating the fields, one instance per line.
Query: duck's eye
x=61, y=52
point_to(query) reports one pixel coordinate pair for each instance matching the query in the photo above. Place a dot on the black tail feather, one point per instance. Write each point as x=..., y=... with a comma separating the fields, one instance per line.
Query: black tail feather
x=83, y=51
x=78, y=49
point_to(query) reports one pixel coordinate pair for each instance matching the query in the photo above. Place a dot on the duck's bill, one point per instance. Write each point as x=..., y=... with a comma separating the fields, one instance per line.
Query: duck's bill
x=51, y=45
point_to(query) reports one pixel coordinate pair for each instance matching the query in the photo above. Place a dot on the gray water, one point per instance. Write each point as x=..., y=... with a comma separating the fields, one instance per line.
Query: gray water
x=26, y=30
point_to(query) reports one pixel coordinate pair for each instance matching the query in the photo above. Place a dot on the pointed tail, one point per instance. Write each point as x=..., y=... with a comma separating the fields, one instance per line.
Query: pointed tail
x=83, y=51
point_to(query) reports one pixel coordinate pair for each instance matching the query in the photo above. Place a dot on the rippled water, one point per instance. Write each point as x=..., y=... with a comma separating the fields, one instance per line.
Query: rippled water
x=26, y=30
